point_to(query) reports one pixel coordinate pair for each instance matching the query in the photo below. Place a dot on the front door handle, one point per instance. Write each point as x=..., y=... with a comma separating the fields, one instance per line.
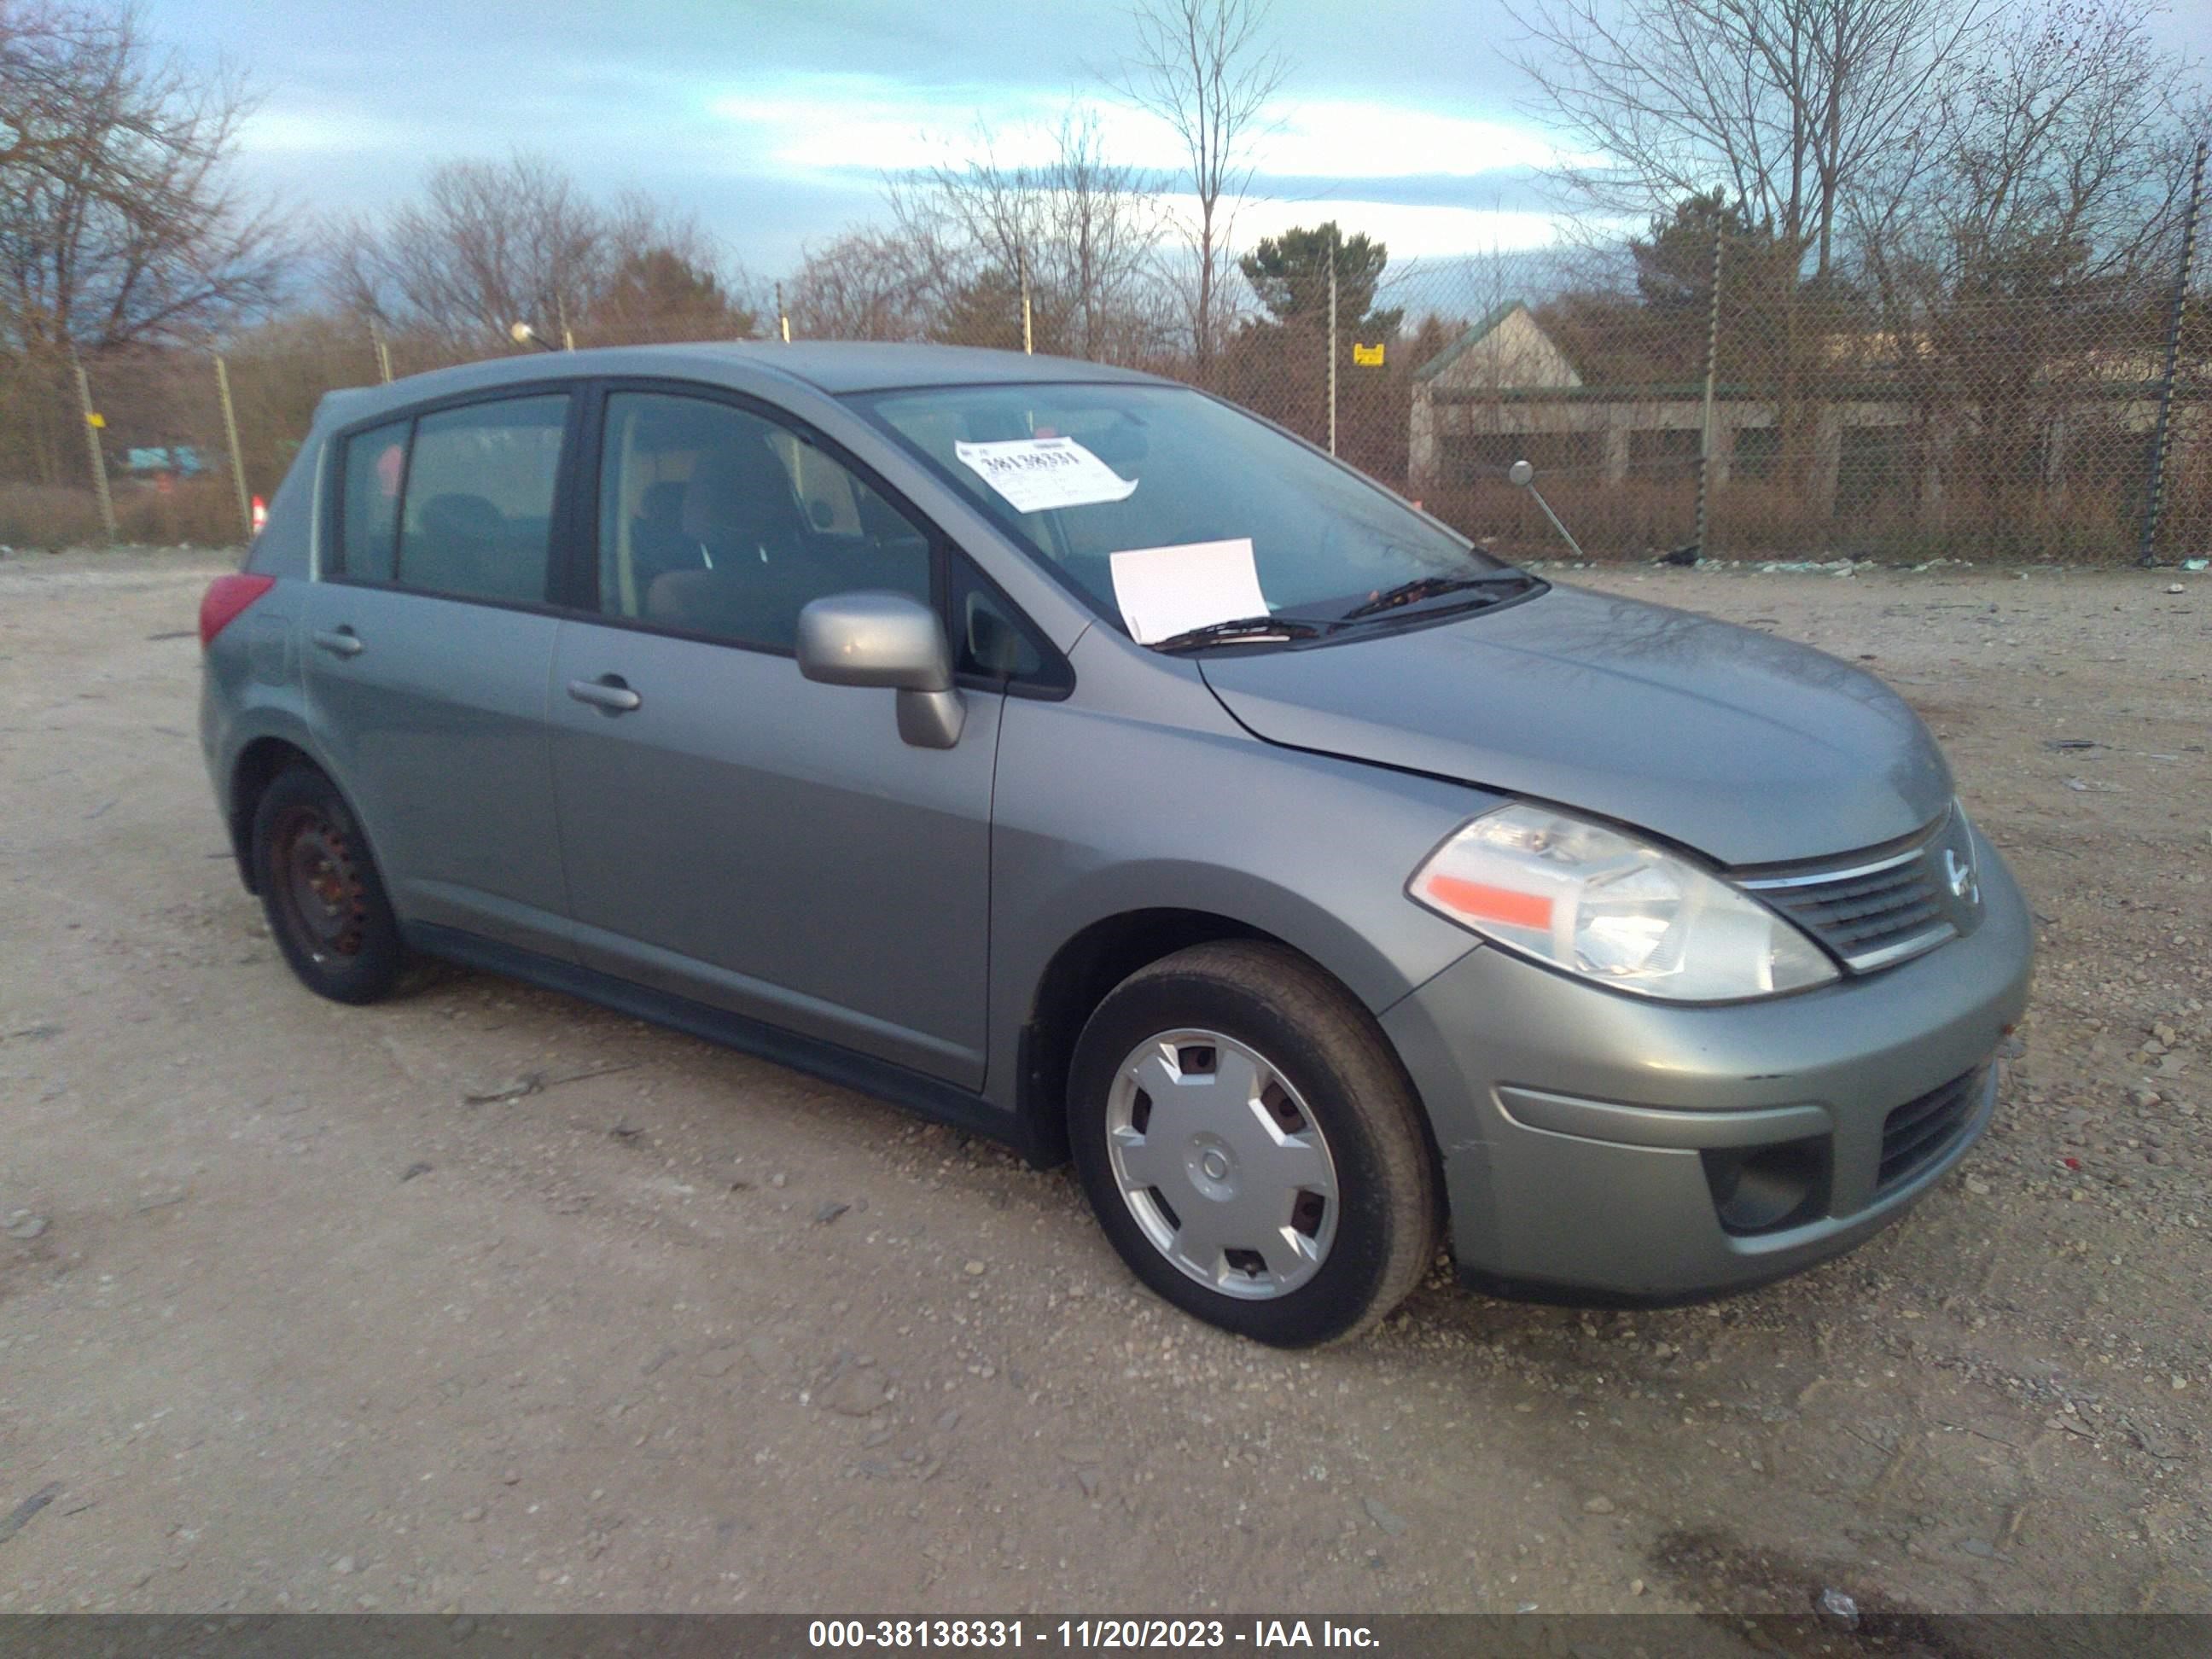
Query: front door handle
x=339, y=642
x=607, y=692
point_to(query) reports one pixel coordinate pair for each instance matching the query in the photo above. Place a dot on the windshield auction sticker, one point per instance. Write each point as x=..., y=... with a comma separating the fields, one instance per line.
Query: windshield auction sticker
x=1038, y=474
x=1166, y=590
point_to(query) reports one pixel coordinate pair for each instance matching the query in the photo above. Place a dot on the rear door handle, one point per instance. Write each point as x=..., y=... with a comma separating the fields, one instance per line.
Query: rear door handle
x=339, y=642
x=607, y=692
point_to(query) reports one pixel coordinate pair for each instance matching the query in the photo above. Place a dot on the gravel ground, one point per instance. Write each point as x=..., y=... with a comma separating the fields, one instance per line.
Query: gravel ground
x=485, y=1299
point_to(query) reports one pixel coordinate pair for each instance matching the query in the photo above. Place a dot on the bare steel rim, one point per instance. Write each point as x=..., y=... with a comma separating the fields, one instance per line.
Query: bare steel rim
x=1224, y=1170
x=320, y=890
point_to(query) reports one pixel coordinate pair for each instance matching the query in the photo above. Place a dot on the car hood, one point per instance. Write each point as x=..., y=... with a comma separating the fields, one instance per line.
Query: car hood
x=1749, y=749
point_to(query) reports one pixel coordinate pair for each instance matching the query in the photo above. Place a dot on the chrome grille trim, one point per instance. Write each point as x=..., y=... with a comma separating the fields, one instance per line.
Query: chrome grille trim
x=1870, y=913
x=1775, y=884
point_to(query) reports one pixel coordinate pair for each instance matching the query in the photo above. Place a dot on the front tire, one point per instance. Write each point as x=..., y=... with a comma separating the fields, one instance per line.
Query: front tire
x=321, y=892
x=1251, y=1145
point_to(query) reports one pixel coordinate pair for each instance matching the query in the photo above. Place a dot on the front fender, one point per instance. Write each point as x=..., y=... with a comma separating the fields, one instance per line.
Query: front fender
x=1098, y=815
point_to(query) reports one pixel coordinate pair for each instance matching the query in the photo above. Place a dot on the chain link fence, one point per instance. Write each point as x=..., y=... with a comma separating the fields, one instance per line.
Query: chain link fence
x=1753, y=420
x=2020, y=427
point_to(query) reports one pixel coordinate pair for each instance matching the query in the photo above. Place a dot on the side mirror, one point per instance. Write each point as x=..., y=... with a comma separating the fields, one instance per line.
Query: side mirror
x=886, y=639
x=1520, y=473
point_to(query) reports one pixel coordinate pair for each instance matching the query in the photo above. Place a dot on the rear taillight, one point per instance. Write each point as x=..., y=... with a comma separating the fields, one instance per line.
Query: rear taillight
x=226, y=597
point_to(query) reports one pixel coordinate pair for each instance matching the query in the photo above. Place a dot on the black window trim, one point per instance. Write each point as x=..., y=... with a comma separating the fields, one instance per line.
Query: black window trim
x=560, y=527
x=577, y=586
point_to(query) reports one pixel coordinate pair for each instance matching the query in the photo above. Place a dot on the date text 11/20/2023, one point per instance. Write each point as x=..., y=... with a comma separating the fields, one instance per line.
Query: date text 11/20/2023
x=1258, y=1635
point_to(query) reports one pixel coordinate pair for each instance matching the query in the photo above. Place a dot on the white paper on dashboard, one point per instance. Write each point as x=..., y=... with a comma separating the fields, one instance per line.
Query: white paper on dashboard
x=1166, y=590
x=1037, y=474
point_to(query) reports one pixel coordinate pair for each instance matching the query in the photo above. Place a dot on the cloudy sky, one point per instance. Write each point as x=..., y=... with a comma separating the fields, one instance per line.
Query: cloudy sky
x=776, y=122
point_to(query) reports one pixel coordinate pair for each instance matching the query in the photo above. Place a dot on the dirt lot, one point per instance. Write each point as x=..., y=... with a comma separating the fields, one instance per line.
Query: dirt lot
x=486, y=1299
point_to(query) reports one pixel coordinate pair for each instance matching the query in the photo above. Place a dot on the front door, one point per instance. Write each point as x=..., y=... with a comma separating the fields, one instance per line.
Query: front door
x=732, y=832
x=429, y=648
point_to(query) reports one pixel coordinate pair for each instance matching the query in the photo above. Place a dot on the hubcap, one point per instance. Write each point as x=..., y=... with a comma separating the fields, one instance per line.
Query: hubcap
x=1222, y=1166
x=324, y=898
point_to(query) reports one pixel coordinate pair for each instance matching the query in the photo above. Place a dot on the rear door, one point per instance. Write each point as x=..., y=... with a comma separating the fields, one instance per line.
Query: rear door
x=735, y=834
x=428, y=646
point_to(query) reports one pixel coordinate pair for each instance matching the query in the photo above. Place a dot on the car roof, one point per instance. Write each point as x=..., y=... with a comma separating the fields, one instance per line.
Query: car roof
x=870, y=365
x=831, y=366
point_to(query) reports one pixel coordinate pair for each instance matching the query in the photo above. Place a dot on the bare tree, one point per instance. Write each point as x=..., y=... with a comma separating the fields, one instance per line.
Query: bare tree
x=120, y=223
x=1784, y=105
x=2070, y=141
x=871, y=284
x=1204, y=68
x=1104, y=232
x=1084, y=229
x=2027, y=272
x=489, y=244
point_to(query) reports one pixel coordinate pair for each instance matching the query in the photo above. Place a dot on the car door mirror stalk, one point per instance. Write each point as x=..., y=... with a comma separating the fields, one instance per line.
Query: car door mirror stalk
x=881, y=639
x=931, y=720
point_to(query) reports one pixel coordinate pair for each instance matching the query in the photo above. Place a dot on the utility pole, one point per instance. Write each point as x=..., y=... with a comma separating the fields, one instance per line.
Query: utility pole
x=782, y=318
x=383, y=353
x=93, y=423
x=230, y=436
x=1336, y=236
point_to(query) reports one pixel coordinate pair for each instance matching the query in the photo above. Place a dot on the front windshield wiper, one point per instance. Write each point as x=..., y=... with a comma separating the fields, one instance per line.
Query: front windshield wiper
x=1429, y=588
x=1240, y=631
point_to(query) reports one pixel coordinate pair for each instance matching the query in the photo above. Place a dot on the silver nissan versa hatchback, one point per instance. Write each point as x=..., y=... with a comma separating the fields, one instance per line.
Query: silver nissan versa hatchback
x=1071, y=756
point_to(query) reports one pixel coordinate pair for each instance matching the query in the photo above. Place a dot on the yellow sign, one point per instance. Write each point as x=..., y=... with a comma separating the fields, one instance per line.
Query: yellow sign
x=91, y=419
x=1367, y=357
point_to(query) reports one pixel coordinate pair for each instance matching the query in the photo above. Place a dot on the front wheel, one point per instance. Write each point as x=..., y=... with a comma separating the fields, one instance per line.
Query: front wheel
x=1251, y=1145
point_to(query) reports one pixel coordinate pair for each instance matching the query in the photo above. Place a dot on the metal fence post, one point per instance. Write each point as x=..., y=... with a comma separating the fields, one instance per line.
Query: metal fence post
x=1712, y=361
x=2155, y=495
x=230, y=437
x=1334, y=237
x=1022, y=267
x=93, y=423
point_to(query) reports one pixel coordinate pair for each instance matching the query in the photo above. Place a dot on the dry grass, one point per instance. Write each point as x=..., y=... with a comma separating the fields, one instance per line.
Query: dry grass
x=201, y=511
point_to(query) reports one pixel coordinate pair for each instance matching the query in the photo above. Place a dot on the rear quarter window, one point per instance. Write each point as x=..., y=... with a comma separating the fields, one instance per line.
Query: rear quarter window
x=284, y=547
x=373, y=471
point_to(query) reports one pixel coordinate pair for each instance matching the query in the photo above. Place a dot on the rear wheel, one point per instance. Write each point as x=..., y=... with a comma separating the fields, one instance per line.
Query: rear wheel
x=319, y=887
x=1252, y=1146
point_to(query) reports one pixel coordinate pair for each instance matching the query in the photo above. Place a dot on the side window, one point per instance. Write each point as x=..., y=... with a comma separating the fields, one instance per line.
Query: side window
x=375, y=467
x=717, y=521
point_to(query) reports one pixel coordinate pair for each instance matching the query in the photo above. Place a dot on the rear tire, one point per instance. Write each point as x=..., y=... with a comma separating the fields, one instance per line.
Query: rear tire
x=1296, y=1205
x=321, y=891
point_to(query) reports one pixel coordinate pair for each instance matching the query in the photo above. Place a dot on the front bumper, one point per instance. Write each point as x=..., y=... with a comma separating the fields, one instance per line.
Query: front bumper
x=1577, y=1124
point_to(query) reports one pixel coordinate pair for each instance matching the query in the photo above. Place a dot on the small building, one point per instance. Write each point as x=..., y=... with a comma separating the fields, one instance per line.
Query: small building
x=1505, y=391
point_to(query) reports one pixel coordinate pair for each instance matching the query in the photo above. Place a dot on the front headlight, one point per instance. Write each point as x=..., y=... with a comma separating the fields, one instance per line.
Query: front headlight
x=1590, y=900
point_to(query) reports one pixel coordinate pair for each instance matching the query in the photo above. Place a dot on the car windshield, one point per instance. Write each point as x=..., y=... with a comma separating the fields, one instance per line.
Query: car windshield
x=1082, y=472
